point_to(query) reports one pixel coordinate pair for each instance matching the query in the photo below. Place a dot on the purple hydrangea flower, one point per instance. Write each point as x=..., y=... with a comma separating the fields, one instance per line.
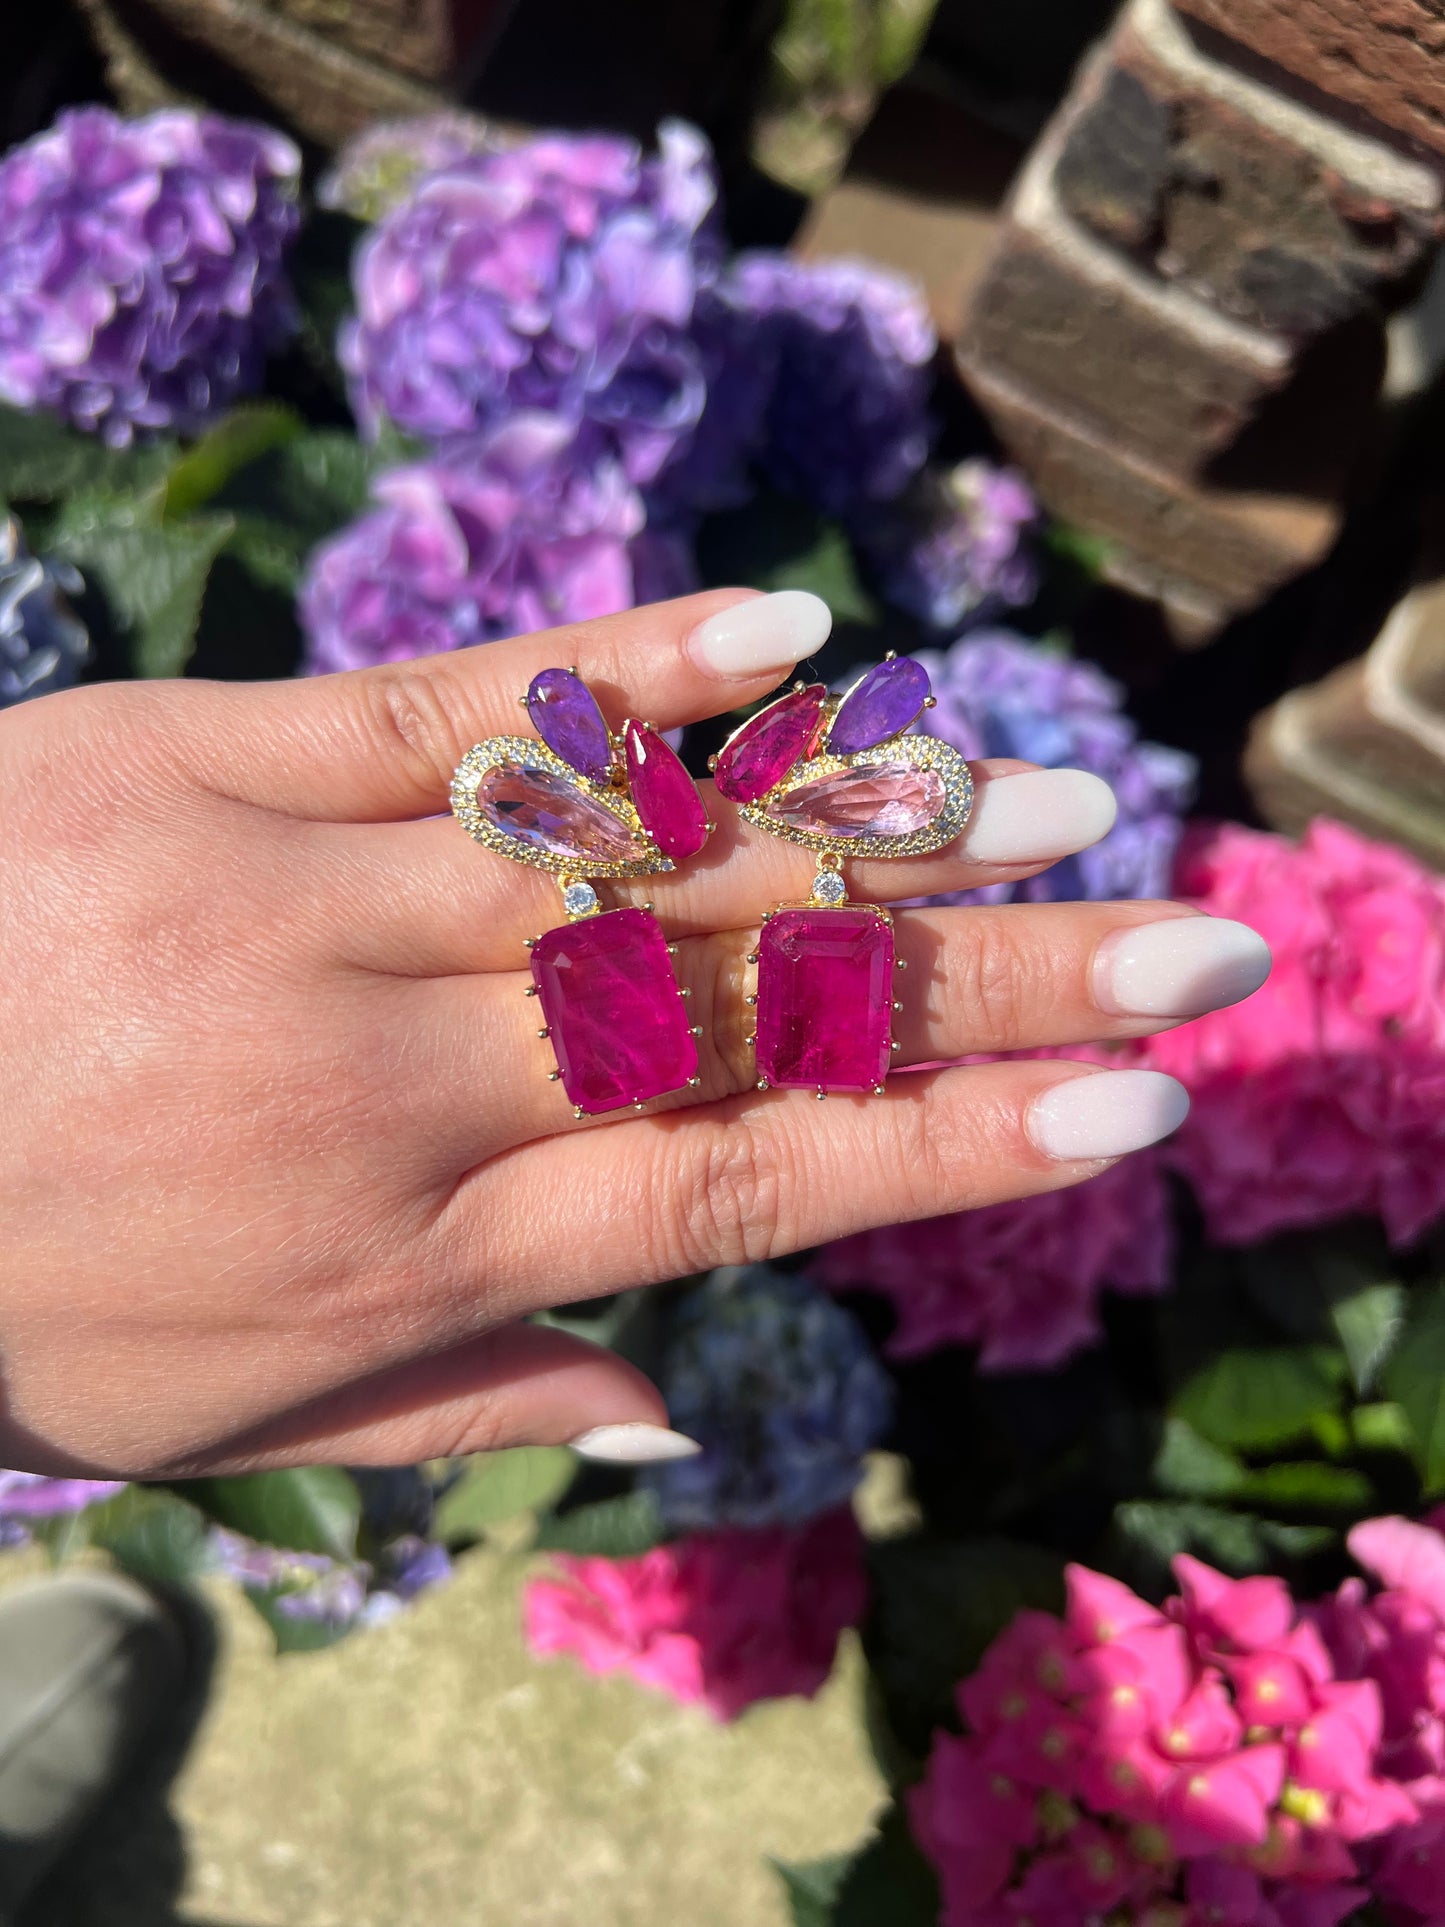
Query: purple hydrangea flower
x=1001, y=696
x=141, y=280
x=955, y=548
x=379, y=167
x=42, y=645
x=338, y=1593
x=30, y=1495
x=844, y=350
x=516, y=532
x=559, y=274
x=780, y=1387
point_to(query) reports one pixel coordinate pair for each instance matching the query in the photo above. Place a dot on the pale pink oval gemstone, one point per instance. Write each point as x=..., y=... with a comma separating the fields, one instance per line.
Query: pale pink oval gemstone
x=879, y=799
x=543, y=811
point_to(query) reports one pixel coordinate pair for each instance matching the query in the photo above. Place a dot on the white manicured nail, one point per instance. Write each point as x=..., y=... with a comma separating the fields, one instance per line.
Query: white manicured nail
x=634, y=1444
x=1181, y=967
x=764, y=636
x=1037, y=815
x=1106, y=1115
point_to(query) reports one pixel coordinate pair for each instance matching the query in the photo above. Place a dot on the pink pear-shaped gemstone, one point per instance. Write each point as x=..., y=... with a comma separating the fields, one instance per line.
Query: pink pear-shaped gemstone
x=869, y=800
x=667, y=799
x=762, y=752
x=545, y=812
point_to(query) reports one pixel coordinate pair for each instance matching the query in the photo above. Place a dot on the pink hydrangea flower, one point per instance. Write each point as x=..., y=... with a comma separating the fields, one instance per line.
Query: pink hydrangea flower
x=1323, y=1095
x=1194, y=1765
x=1021, y=1280
x=719, y=1619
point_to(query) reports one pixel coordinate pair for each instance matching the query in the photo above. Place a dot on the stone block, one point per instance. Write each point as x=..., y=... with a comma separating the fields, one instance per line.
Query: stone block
x=1263, y=209
x=1383, y=60
x=1207, y=552
x=1366, y=744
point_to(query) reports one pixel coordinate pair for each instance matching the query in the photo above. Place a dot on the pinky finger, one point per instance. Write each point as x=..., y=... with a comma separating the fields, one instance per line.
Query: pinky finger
x=760, y=1176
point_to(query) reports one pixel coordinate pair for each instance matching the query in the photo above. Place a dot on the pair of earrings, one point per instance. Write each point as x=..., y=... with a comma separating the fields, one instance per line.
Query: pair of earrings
x=840, y=776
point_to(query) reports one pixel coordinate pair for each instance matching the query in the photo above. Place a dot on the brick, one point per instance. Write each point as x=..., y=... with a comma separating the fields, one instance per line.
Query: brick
x=431, y=39
x=1366, y=744
x=1205, y=551
x=1384, y=59
x=155, y=49
x=1266, y=211
x=1083, y=327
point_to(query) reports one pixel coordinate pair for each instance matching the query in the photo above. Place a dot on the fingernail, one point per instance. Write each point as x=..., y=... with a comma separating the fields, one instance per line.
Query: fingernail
x=767, y=634
x=1038, y=815
x=634, y=1444
x=1106, y=1115
x=1181, y=967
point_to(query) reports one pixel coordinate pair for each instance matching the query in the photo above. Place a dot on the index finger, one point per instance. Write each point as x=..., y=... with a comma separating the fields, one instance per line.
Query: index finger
x=380, y=745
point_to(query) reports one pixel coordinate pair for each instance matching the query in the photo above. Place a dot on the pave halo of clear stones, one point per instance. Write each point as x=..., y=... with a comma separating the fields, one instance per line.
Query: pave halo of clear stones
x=527, y=753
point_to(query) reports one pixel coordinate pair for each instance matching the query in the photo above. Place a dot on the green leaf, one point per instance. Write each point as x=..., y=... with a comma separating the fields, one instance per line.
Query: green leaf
x=151, y=1533
x=498, y=1485
x=42, y=460
x=776, y=542
x=314, y=1508
x=1382, y=1428
x=1260, y=1397
x=1190, y=1467
x=151, y=578
x=812, y=1888
x=239, y=438
x=937, y=1604
x=293, y=1635
x=1307, y=1486
x=617, y=1528
x=1415, y=1379
x=1367, y=1323
x=889, y=1882
x=1152, y=1532
x=304, y=489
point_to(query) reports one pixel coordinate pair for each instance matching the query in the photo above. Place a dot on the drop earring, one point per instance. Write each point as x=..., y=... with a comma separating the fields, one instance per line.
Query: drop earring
x=586, y=805
x=843, y=777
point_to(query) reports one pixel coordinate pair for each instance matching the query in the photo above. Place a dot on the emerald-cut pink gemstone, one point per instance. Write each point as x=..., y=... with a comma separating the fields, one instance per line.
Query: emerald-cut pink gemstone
x=666, y=797
x=825, y=999
x=613, y=1010
x=765, y=748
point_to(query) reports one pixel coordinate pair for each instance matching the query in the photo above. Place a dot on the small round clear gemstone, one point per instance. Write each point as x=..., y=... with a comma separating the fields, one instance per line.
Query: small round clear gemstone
x=579, y=899
x=829, y=887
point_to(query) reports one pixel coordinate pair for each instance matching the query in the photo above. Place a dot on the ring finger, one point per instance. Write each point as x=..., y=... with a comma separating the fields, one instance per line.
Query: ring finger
x=1016, y=977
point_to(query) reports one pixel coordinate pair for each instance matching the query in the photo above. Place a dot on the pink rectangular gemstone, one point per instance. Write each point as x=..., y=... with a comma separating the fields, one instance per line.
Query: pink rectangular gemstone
x=825, y=999
x=612, y=1007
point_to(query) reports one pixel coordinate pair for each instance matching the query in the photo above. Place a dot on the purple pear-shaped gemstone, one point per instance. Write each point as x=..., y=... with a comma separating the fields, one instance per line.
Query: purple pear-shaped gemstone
x=667, y=799
x=544, y=812
x=868, y=800
x=568, y=720
x=762, y=752
x=880, y=704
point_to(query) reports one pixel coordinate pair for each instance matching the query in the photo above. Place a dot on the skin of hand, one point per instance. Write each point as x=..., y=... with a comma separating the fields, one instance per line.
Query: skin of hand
x=282, y=1172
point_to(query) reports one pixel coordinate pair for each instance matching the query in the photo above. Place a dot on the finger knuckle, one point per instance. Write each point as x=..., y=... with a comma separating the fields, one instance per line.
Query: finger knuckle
x=1002, y=984
x=409, y=714
x=725, y=1201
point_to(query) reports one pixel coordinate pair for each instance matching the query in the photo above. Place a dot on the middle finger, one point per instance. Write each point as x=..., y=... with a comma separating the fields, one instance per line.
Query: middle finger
x=422, y=901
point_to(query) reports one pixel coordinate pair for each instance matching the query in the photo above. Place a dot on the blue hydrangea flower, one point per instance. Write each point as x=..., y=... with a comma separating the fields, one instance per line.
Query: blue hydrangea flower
x=506, y=533
x=955, y=548
x=780, y=1387
x=42, y=645
x=841, y=354
x=340, y=1594
x=141, y=279
x=999, y=695
x=560, y=275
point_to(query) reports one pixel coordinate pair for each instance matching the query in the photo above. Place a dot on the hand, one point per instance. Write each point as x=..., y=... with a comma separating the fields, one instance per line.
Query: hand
x=283, y=1173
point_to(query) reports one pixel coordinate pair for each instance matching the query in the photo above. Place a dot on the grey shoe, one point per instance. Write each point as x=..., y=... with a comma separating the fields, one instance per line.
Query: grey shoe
x=91, y=1668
